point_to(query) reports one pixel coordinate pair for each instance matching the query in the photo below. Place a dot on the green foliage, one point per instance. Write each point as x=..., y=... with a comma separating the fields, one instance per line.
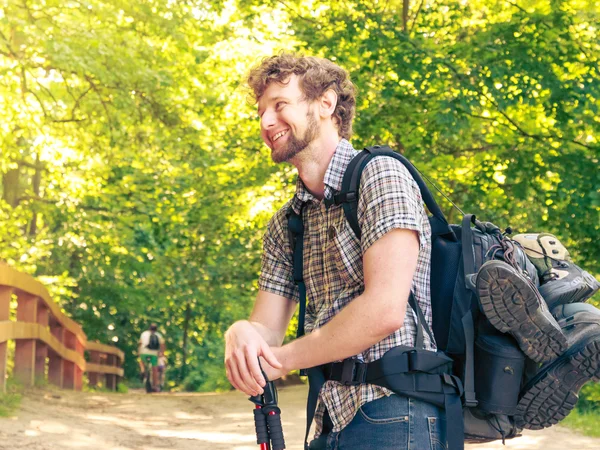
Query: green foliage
x=11, y=399
x=136, y=187
x=585, y=422
x=589, y=398
x=122, y=388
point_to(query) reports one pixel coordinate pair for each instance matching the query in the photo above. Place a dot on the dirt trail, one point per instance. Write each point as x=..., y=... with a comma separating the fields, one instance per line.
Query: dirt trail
x=67, y=420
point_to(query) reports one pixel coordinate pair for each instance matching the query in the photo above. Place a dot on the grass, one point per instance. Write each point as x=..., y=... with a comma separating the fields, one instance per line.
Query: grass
x=11, y=400
x=585, y=422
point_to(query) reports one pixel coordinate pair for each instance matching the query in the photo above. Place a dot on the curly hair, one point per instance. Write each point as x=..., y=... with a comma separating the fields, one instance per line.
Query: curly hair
x=316, y=75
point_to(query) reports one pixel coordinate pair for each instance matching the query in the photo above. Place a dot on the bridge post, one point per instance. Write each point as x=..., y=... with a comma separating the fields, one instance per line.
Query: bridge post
x=55, y=362
x=78, y=382
x=25, y=348
x=93, y=376
x=118, y=363
x=111, y=379
x=70, y=341
x=5, y=295
x=41, y=349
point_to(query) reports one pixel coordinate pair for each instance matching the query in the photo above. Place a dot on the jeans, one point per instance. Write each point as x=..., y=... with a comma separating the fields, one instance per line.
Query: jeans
x=390, y=423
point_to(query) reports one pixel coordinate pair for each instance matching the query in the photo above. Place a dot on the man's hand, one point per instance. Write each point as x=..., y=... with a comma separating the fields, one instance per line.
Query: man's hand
x=243, y=346
x=274, y=373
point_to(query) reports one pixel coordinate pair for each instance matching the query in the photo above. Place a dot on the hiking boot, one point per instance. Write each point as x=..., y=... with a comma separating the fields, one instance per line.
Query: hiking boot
x=561, y=281
x=552, y=393
x=569, y=284
x=513, y=305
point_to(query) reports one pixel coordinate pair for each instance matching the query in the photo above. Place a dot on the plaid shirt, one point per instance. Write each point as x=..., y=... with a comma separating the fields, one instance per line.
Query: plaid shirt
x=333, y=266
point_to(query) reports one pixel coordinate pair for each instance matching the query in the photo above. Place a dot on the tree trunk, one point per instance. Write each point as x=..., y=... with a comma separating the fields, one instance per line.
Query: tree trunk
x=405, y=15
x=186, y=323
x=10, y=187
x=37, y=179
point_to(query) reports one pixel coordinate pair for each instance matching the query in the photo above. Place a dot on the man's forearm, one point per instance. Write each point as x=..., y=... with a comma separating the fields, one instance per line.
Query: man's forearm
x=360, y=325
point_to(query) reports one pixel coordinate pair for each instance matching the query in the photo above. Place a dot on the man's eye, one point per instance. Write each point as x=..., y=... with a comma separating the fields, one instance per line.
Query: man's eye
x=279, y=105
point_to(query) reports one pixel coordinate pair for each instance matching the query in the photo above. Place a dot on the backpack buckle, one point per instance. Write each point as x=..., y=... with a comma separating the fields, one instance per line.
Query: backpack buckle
x=411, y=362
x=341, y=198
x=470, y=400
x=353, y=372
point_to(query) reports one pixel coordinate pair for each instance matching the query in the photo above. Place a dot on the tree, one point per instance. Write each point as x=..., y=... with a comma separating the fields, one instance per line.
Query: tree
x=135, y=184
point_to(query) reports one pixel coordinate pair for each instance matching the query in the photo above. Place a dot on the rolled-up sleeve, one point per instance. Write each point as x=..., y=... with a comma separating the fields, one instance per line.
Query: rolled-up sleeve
x=276, y=274
x=389, y=199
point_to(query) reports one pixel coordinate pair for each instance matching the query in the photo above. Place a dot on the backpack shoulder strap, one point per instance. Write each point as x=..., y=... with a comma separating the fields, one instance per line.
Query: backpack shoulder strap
x=296, y=239
x=349, y=195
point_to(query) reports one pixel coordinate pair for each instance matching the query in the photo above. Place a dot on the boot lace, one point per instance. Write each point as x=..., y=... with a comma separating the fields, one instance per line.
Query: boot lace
x=548, y=275
x=505, y=250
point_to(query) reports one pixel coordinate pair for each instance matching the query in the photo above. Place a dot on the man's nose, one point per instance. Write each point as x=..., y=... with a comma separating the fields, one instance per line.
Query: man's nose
x=268, y=120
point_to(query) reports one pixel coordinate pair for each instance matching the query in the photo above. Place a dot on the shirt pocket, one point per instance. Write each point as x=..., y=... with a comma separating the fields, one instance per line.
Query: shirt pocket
x=343, y=253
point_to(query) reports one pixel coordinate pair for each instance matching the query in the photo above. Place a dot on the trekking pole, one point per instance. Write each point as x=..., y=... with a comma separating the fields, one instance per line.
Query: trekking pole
x=267, y=418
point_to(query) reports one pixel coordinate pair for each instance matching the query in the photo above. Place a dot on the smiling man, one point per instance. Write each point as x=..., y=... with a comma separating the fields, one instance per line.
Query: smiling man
x=283, y=131
x=357, y=289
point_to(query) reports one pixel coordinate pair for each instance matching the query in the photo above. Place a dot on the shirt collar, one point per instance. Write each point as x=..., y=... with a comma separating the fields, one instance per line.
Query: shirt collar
x=334, y=175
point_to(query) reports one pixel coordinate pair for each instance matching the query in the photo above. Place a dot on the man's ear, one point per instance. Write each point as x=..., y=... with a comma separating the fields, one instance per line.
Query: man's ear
x=327, y=103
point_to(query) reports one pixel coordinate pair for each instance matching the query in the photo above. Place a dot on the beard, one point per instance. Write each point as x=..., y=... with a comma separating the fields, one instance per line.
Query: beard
x=296, y=144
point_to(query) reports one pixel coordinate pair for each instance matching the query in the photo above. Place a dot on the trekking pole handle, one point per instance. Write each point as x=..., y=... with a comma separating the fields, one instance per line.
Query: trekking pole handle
x=275, y=429
x=262, y=430
x=267, y=417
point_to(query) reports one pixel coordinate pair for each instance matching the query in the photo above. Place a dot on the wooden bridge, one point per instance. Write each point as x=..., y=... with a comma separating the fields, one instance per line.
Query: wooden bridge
x=48, y=344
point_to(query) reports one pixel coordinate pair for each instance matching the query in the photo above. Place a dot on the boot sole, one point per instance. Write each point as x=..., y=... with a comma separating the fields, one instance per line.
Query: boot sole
x=552, y=394
x=512, y=306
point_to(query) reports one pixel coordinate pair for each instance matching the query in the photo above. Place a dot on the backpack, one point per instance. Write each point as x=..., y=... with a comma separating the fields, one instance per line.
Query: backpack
x=153, y=342
x=478, y=401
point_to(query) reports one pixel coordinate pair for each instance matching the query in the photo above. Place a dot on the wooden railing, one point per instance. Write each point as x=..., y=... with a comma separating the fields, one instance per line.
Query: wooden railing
x=105, y=361
x=48, y=344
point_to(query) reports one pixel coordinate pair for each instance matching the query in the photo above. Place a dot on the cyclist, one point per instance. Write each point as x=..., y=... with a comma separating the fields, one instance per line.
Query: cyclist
x=151, y=346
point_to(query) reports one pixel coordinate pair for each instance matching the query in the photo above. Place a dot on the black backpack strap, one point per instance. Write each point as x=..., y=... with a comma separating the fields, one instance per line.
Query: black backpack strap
x=468, y=258
x=296, y=238
x=469, y=369
x=316, y=380
x=422, y=323
x=467, y=246
x=348, y=197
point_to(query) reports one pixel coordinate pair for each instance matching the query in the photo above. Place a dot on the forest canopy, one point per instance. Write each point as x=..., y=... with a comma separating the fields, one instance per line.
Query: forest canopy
x=136, y=187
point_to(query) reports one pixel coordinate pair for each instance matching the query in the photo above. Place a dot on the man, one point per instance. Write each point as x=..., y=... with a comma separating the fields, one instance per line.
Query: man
x=151, y=345
x=357, y=291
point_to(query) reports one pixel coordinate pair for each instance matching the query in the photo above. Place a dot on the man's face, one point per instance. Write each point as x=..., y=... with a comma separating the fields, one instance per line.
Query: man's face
x=287, y=122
